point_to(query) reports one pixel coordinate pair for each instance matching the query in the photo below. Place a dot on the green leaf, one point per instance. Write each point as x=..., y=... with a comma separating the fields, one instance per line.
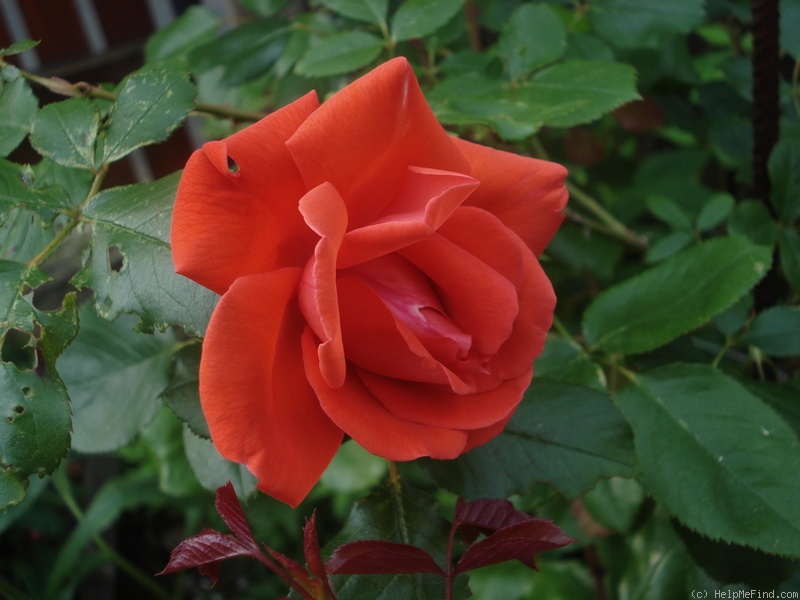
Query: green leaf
x=533, y=38
x=776, y=331
x=676, y=296
x=667, y=246
x=116, y=496
x=732, y=319
x=35, y=427
x=340, y=53
x=18, y=106
x=615, y=503
x=600, y=86
x=789, y=255
x=134, y=220
x=418, y=18
x=668, y=211
x=244, y=52
x=16, y=282
x=18, y=47
x=163, y=438
x=370, y=11
x=152, y=103
x=716, y=457
x=23, y=235
x=193, y=28
x=16, y=191
x=114, y=376
x=553, y=580
x=567, y=94
x=545, y=442
x=264, y=7
x=212, y=470
x=715, y=211
x=66, y=132
x=752, y=219
x=395, y=513
x=566, y=361
x=643, y=23
x=784, y=398
x=784, y=172
x=182, y=394
x=790, y=34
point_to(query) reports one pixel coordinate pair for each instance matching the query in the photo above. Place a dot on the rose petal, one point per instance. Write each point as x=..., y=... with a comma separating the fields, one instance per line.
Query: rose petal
x=428, y=405
x=364, y=137
x=228, y=224
x=527, y=194
x=325, y=213
x=377, y=340
x=375, y=429
x=425, y=200
x=479, y=299
x=259, y=406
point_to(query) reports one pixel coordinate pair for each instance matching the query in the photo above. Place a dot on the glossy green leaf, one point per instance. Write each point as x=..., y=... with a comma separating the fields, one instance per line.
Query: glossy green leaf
x=34, y=427
x=18, y=106
x=702, y=441
x=776, y=331
x=668, y=211
x=418, y=18
x=152, y=103
x=134, y=220
x=752, y=220
x=66, y=132
x=340, y=53
x=533, y=38
x=715, y=211
x=244, y=52
x=566, y=361
x=567, y=94
x=667, y=246
x=543, y=442
x=196, y=26
x=643, y=23
x=789, y=255
x=676, y=296
x=783, y=397
x=114, y=376
x=369, y=11
x=598, y=87
x=182, y=394
x=212, y=470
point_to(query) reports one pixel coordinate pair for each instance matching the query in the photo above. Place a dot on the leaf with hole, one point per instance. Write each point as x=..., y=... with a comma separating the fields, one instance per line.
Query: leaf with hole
x=134, y=222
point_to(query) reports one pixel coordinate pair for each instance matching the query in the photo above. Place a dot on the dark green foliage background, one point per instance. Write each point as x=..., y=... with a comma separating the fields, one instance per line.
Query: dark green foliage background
x=661, y=430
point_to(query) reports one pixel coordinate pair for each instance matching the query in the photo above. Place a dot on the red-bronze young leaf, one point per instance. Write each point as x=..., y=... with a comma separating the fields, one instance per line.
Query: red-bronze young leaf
x=313, y=554
x=375, y=557
x=485, y=515
x=519, y=541
x=205, y=550
x=228, y=507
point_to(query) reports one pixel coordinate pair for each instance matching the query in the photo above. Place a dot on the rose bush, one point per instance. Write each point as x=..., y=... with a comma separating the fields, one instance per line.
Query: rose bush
x=378, y=277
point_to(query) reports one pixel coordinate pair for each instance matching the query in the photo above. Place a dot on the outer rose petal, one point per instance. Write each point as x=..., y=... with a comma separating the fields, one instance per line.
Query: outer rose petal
x=527, y=194
x=228, y=224
x=428, y=405
x=375, y=429
x=364, y=137
x=259, y=406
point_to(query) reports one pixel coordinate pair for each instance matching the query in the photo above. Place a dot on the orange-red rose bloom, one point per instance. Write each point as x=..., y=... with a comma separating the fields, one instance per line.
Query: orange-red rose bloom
x=378, y=277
